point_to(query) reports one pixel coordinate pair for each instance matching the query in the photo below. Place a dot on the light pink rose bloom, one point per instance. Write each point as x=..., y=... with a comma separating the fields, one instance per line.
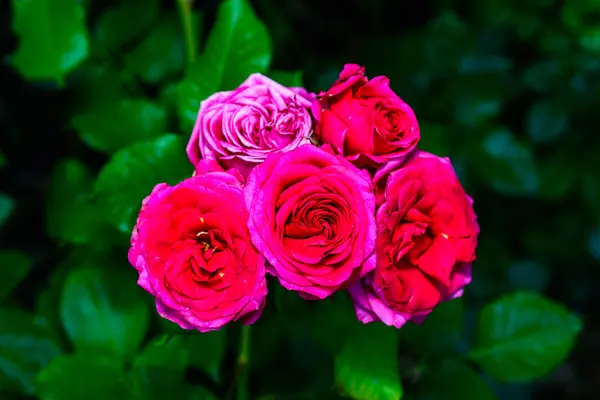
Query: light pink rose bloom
x=240, y=128
x=192, y=249
x=427, y=235
x=312, y=215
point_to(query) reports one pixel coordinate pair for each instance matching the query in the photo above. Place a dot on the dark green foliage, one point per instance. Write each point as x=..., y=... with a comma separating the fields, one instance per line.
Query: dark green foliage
x=508, y=90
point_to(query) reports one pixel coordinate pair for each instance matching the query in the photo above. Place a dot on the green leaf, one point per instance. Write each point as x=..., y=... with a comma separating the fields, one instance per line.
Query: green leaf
x=97, y=86
x=546, y=120
x=288, y=78
x=14, y=267
x=27, y=344
x=452, y=379
x=523, y=336
x=189, y=96
x=155, y=382
x=206, y=350
x=161, y=53
x=47, y=302
x=125, y=22
x=82, y=376
x=70, y=216
x=52, y=38
x=238, y=45
x=168, y=98
x=7, y=205
x=439, y=333
x=211, y=346
x=165, y=351
x=131, y=174
x=3, y=160
x=590, y=39
x=158, y=371
x=102, y=310
x=48, y=299
x=120, y=124
x=509, y=164
x=367, y=367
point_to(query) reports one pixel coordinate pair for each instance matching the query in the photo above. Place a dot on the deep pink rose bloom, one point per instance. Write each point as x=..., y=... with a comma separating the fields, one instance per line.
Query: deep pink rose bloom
x=192, y=249
x=426, y=239
x=312, y=217
x=365, y=120
x=241, y=127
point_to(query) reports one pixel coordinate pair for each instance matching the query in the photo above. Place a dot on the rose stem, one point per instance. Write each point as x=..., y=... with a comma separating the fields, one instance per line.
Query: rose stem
x=185, y=11
x=242, y=363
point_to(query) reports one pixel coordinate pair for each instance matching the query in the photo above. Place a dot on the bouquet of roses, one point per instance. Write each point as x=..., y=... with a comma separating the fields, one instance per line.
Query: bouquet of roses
x=325, y=192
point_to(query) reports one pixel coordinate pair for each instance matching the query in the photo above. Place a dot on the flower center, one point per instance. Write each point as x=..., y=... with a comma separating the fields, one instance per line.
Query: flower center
x=203, y=240
x=389, y=123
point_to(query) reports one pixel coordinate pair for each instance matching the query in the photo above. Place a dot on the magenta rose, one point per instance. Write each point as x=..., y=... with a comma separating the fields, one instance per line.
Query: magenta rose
x=365, y=120
x=192, y=249
x=312, y=217
x=426, y=239
x=241, y=127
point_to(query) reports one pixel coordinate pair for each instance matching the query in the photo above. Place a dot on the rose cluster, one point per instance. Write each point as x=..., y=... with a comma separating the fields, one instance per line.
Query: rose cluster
x=324, y=192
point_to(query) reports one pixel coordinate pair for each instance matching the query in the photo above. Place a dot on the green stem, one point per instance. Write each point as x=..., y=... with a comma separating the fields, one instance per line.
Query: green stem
x=242, y=364
x=185, y=12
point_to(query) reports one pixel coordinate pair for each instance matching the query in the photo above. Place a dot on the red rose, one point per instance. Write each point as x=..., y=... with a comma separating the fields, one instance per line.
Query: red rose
x=426, y=239
x=192, y=249
x=365, y=120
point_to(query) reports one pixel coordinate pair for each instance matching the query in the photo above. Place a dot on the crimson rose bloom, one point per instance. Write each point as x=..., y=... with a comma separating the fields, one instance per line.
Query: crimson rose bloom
x=426, y=239
x=365, y=120
x=312, y=217
x=192, y=249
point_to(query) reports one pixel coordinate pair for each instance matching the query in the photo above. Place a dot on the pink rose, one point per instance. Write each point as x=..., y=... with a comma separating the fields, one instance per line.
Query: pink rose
x=312, y=217
x=365, y=120
x=241, y=127
x=192, y=249
x=426, y=239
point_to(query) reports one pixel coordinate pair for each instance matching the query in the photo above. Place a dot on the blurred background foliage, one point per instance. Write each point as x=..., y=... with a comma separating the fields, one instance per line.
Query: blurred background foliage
x=97, y=99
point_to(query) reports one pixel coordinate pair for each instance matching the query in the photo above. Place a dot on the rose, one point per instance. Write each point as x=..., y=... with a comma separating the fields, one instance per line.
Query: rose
x=426, y=239
x=381, y=175
x=240, y=128
x=365, y=120
x=312, y=217
x=192, y=249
